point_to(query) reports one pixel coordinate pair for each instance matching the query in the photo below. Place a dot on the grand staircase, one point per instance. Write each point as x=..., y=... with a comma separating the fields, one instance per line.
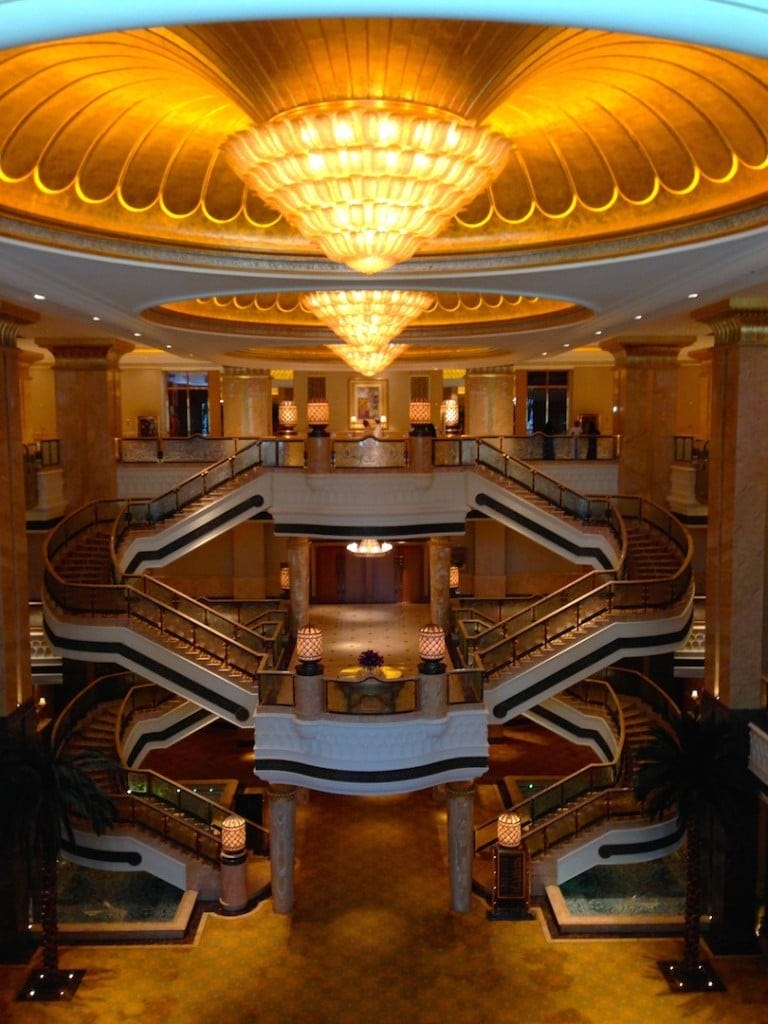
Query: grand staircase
x=162, y=827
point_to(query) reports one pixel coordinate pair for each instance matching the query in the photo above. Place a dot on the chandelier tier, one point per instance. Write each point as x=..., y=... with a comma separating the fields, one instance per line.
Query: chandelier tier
x=368, y=180
x=367, y=320
x=368, y=362
x=369, y=547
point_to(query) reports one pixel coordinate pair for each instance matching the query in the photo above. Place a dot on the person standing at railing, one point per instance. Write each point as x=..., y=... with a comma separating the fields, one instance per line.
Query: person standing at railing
x=549, y=444
x=592, y=435
x=576, y=434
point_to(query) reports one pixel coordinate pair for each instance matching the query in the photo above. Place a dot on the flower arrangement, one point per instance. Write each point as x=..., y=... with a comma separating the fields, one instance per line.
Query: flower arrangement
x=370, y=659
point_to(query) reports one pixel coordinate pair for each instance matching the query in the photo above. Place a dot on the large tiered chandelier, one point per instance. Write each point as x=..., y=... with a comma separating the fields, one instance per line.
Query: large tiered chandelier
x=368, y=320
x=368, y=180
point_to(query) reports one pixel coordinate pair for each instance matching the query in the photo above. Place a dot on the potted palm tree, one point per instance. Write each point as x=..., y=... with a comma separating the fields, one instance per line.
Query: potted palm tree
x=695, y=768
x=42, y=793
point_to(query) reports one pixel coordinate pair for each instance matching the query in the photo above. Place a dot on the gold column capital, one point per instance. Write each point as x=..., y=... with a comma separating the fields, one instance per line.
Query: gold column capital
x=85, y=352
x=738, y=322
x=8, y=333
x=647, y=347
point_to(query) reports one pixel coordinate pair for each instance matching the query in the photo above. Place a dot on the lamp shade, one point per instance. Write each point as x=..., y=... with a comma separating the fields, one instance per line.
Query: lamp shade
x=318, y=413
x=509, y=830
x=285, y=577
x=233, y=834
x=309, y=643
x=287, y=414
x=453, y=577
x=419, y=411
x=431, y=642
x=451, y=412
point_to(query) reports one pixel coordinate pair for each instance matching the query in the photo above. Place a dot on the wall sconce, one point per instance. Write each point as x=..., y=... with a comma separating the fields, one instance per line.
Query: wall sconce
x=432, y=649
x=309, y=650
x=285, y=580
x=287, y=417
x=509, y=829
x=318, y=417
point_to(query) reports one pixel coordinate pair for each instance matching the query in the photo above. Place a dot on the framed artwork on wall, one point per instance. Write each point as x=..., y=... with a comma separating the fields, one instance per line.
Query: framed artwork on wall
x=367, y=400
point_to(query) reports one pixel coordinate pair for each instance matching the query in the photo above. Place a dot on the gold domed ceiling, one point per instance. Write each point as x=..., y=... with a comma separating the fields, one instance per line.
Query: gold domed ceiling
x=619, y=144
x=282, y=330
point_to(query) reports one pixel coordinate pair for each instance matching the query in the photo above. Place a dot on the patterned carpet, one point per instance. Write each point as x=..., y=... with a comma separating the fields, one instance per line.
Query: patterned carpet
x=372, y=939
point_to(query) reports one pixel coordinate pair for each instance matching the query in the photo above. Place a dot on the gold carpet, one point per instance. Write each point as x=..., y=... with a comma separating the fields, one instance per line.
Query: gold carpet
x=372, y=939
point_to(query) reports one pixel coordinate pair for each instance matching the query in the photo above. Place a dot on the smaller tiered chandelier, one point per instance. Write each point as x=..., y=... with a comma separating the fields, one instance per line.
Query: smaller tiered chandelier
x=368, y=320
x=369, y=547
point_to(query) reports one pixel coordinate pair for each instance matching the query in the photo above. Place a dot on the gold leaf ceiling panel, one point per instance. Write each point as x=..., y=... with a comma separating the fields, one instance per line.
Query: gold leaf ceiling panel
x=615, y=136
x=459, y=328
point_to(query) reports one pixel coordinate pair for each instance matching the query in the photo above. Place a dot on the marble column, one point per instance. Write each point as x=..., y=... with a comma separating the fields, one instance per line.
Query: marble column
x=309, y=693
x=247, y=402
x=26, y=362
x=87, y=382
x=15, y=670
x=282, y=845
x=433, y=694
x=646, y=388
x=737, y=598
x=460, y=797
x=298, y=564
x=490, y=402
x=439, y=580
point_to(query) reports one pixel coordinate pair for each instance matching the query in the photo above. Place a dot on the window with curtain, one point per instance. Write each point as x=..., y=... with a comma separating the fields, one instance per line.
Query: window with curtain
x=547, y=400
x=188, y=407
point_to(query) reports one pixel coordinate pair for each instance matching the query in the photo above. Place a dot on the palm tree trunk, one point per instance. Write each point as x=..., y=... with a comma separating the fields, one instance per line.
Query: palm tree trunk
x=692, y=898
x=49, y=915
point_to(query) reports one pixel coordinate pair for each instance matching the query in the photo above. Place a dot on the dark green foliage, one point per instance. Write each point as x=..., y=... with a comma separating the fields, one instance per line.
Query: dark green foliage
x=44, y=795
x=697, y=769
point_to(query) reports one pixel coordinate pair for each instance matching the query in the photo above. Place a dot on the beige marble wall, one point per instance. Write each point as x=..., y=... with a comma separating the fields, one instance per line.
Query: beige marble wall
x=15, y=672
x=247, y=402
x=646, y=379
x=738, y=517
x=489, y=402
x=88, y=415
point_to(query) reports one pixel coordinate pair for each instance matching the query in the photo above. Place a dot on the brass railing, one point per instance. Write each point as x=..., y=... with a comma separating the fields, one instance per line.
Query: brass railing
x=603, y=593
x=569, y=805
x=151, y=800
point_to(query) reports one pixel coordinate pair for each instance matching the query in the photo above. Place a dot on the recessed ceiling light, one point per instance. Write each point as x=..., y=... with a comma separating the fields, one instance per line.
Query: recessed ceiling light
x=169, y=346
x=39, y=297
x=96, y=318
x=693, y=295
x=638, y=316
x=137, y=334
x=543, y=353
x=566, y=344
x=598, y=333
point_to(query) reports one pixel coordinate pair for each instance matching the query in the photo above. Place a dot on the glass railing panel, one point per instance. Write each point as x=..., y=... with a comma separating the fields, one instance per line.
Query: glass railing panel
x=447, y=451
x=276, y=689
x=465, y=686
x=291, y=453
x=371, y=695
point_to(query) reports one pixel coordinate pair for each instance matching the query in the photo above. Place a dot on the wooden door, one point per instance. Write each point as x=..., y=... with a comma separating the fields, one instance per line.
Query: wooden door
x=343, y=578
